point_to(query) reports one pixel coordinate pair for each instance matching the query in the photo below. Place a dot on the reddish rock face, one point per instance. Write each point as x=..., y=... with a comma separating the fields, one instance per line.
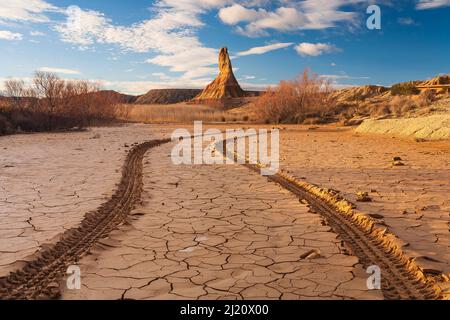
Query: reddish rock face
x=225, y=85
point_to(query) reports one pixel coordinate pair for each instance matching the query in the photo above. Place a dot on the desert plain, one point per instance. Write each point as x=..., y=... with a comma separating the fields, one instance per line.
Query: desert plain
x=224, y=231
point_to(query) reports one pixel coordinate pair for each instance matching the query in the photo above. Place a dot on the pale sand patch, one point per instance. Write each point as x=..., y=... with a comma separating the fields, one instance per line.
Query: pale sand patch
x=434, y=127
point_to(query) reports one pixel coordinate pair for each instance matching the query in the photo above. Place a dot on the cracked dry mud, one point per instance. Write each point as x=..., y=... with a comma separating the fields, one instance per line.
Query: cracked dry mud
x=412, y=201
x=48, y=182
x=218, y=232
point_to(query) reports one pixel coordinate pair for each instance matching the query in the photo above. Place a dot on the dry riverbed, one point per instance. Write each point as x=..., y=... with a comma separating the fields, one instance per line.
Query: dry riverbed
x=222, y=231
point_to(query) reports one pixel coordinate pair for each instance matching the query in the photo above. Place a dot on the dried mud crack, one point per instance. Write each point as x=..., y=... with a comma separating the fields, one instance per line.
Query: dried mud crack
x=401, y=279
x=39, y=279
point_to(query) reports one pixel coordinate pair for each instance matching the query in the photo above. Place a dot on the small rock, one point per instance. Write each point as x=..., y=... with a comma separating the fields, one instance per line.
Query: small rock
x=398, y=163
x=363, y=197
x=311, y=254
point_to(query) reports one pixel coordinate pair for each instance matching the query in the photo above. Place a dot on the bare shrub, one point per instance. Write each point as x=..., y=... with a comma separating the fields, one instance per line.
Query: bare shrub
x=20, y=96
x=294, y=101
x=403, y=89
x=381, y=110
x=400, y=105
x=52, y=103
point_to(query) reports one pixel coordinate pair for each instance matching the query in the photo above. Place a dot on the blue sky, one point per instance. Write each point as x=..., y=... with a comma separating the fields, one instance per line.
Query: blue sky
x=134, y=46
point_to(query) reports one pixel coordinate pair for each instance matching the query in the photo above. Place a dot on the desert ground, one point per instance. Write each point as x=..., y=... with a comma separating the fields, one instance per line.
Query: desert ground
x=224, y=231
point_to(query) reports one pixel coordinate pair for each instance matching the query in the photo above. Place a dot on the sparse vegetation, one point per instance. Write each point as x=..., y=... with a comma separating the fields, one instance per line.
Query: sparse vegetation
x=386, y=107
x=50, y=103
x=403, y=89
x=178, y=113
x=295, y=101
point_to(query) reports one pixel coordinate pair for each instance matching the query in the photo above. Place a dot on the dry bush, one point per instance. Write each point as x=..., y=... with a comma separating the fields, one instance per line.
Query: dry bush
x=294, y=101
x=404, y=89
x=428, y=96
x=399, y=105
x=179, y=113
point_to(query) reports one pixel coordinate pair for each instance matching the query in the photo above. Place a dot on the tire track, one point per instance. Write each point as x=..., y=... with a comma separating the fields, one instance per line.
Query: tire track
x=40, y=278
x=401, y=279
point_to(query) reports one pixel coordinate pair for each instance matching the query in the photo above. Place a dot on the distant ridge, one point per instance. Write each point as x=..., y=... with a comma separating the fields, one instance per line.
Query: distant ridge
x=440, y=84
x=122, y=98
x=167, y=96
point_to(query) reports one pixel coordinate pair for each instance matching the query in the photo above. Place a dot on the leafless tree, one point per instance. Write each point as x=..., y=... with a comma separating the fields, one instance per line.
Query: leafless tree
x=18, y=93
x=58, y=103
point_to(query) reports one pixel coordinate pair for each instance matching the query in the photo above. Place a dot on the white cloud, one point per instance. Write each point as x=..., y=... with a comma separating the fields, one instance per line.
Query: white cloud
x=314, y=49
x=343, y=76
x=265, y=49
x=335, y=80
x=432, y=4
x=8, y=35
x=171, y=34
x=237, y=13
x=36, y=34
x=25, y=10
x=291, y=16
x=406, y=21
x=59, y=70
x=247, y=77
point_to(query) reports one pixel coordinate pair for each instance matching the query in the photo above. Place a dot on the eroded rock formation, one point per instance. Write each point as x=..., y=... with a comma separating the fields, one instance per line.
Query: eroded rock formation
x=225, y=85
